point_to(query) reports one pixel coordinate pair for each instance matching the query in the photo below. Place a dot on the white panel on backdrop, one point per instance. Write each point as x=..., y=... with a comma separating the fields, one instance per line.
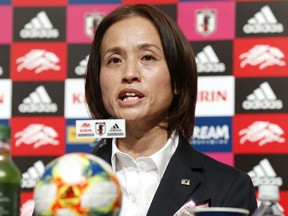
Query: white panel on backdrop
x=5, y=98
x=75, y=103
x=215, y=96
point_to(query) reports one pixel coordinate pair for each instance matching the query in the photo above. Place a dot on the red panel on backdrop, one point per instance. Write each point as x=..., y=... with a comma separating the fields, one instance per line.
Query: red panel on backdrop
x=40, y=3
x=260, y=133
x=38, y=61
x=260, y=57
x=37, y=136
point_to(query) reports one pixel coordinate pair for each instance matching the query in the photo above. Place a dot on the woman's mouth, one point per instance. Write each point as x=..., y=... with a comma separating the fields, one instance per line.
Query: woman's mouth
x=130, y=95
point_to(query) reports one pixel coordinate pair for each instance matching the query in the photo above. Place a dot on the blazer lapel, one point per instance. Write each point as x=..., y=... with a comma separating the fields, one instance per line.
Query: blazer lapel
x=180, y=179
x=178, y=183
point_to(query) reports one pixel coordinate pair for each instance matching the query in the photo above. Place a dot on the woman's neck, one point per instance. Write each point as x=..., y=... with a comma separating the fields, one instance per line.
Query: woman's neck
x=143, y=142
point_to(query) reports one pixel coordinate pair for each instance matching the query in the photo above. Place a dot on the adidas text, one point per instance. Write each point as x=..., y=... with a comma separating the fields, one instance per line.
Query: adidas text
x=39, y=33
x=267, y=181
x=263, y=28
x=28, y=183
x=206, y=68
x=38, y=108
x=262, y=104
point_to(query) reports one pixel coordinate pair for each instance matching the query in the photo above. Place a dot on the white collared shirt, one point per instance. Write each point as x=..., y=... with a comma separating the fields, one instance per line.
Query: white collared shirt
x=140, y=178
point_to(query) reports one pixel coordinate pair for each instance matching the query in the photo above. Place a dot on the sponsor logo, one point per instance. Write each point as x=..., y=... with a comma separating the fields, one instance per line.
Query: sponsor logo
x=80, y=70
x=100, y=128
x=260, y=95
x=71, y=134
x=86, y=127
x=38, y=101
x=262, y=56
x=36, y=135
x=206, y=21
x=39, y=27
x=32, y=168
x=262, y=132
x=92, y=20
x=211, y=135
x=217, y=94
x=116, y=128
x=212, y=96
x=264, y=21
x=38, y=60
x=262, y=98
x=263, y=174
x=78, y=56
x=83, y=20
x=208, y=61
x=39, y=23
x=75, y=102
x=32, y=175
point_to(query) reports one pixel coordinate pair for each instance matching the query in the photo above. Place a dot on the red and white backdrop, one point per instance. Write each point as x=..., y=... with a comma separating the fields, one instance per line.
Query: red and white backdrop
x=241, y=49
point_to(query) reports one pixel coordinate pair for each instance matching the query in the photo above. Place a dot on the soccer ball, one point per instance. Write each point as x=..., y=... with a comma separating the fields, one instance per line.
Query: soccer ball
x=77, y=184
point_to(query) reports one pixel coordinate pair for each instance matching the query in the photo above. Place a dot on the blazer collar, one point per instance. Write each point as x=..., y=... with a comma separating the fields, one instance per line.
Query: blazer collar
x=185, y=165
x=180, y=179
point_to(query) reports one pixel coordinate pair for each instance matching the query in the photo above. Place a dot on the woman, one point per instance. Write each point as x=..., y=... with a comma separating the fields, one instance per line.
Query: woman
x=142, y=69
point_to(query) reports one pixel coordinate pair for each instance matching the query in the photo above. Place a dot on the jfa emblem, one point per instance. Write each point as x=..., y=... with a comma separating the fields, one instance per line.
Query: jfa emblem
x=92, y=20
x=206, y=21
x=100, y=128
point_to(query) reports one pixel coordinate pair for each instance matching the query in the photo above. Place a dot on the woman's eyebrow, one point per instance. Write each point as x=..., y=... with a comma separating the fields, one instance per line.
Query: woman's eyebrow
x=149, y=45
x=117, y=49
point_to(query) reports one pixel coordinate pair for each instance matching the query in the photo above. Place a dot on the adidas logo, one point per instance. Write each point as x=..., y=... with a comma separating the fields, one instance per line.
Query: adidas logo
x=263, y=173
x=115, y=130
x=263, y=21
x=262, y=98
x=207, y=61
x=32, y=175
x=38, y=101
x=39, y=27
x=81, y=68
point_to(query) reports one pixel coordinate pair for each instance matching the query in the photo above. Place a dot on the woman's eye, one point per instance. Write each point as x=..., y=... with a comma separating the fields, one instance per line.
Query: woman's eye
x=114, y=61
x=148, y=58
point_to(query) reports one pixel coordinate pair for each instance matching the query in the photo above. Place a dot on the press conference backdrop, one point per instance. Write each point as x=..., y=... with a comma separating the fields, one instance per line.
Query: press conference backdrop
x=241, y=49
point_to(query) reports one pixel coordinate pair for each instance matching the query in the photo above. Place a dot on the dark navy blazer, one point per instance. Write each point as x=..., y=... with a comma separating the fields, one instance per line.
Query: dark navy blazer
x=219, y=184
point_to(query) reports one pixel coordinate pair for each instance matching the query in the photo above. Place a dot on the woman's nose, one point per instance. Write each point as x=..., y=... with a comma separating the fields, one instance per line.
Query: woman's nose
x=131, y=73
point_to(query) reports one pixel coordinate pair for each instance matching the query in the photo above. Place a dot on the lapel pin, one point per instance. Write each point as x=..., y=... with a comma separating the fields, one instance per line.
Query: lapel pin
x=185, y=181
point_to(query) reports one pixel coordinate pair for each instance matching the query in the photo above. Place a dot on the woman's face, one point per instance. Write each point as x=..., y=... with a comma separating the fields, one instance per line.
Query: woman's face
x=134, y=76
